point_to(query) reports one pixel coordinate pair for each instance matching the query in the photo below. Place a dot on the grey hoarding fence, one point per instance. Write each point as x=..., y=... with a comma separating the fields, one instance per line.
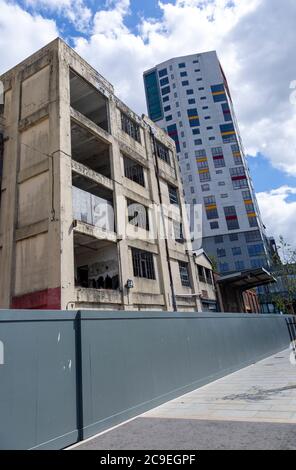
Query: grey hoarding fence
x=68, y=375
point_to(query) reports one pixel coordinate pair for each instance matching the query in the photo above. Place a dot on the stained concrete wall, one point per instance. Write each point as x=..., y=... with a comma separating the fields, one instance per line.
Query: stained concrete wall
x=37, y=230
x=69, y=375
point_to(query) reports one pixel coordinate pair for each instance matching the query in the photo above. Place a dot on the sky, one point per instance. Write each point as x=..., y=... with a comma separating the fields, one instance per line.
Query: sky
x=256, y=44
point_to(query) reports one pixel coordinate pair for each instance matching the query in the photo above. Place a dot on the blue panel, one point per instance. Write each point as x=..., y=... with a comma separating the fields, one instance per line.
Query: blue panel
x=226, y=128
x=162, y=73
x=173, y=133
x=164, y=81
x=166, y=90
x=154, y=104
x=216, y=88
x=226, y=112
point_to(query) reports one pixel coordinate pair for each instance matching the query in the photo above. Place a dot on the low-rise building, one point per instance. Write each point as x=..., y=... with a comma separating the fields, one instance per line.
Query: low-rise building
x=92, y=210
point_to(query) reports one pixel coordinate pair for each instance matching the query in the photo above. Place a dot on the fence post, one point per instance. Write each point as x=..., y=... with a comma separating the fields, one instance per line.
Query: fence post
x=79, y=389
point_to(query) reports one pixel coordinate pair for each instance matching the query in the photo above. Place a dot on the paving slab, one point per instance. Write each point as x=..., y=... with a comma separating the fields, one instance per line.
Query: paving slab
x=254, y=408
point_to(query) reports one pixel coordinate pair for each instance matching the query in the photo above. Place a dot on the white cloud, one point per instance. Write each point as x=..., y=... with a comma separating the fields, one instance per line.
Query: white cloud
x=255, y=41
x=75, y=11
x=279, y=214
x=34, y=32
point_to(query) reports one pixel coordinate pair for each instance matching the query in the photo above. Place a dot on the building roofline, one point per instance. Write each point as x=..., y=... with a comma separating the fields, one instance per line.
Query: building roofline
x=178, y=58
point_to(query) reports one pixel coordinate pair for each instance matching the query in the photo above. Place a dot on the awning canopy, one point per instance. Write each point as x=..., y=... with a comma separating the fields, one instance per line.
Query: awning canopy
x=248, y=279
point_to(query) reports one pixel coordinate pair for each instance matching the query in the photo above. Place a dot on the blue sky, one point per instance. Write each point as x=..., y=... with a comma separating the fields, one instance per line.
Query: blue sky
x=255, y=41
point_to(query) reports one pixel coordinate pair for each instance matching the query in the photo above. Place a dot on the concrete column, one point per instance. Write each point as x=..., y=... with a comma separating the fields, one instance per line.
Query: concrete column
x=63, y=184
x=9, y=200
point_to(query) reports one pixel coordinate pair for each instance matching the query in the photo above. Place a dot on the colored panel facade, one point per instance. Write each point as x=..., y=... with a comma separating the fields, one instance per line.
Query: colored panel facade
x=211, y=158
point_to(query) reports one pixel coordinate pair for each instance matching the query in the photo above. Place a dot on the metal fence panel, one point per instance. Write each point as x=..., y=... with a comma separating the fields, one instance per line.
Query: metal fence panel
x=68, y=375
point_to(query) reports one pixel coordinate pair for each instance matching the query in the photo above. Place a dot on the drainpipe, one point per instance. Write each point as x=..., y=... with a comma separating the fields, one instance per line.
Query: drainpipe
x=156, y=169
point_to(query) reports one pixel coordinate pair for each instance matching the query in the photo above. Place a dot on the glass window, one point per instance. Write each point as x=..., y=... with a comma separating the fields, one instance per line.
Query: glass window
x=130, y=127
x=183, y=74
x=239, y=265
x=253, y=236
x=214, y=225
x=258, y=263
x=184, y=274
x=233, y=237
x=164, y=81
x=231, y=218
x=224, y=267
x=167, y=108
x=256, y=250
x=162, y=73
x=185, y=83
x=138, y=214
x=240, y=184
x=134, y=171
x=143, y=264
x=236, y=251
x=219, y=239
x=221, y=252
x=203, y=177
x=173, y=194
x=169, y=118
x=189, y=92
x=153, y=96
x=166, y=90
x=182, y=65
x=162, y=152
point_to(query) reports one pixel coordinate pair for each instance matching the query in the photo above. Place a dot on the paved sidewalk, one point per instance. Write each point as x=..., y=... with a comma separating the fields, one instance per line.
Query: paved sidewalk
x=254, y=408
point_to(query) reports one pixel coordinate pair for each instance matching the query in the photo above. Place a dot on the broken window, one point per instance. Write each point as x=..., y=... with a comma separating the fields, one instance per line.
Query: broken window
x=173, y=194
x=134, y=171
x=130, y=127
x=184, y=274
x=162, y=152
x=143, y=264
x=92, y=203
x=138, y=214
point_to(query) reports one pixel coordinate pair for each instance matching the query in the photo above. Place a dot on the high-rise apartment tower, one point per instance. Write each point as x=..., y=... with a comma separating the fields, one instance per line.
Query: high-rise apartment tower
x=190, y=99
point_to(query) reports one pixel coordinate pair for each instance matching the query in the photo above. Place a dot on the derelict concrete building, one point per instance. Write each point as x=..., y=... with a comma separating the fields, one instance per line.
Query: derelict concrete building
x=83, y=182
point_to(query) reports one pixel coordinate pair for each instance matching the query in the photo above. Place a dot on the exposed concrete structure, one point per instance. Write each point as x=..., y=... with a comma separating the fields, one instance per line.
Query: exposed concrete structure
x=71, y=146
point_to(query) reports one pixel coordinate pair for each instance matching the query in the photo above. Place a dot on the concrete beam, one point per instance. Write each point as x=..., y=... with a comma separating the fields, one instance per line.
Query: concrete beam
x=95, y=232
x=82, y=170
x=97, y=131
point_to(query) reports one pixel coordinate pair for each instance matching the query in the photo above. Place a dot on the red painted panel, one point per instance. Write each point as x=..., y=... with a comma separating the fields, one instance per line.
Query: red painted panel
x=48, y=299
